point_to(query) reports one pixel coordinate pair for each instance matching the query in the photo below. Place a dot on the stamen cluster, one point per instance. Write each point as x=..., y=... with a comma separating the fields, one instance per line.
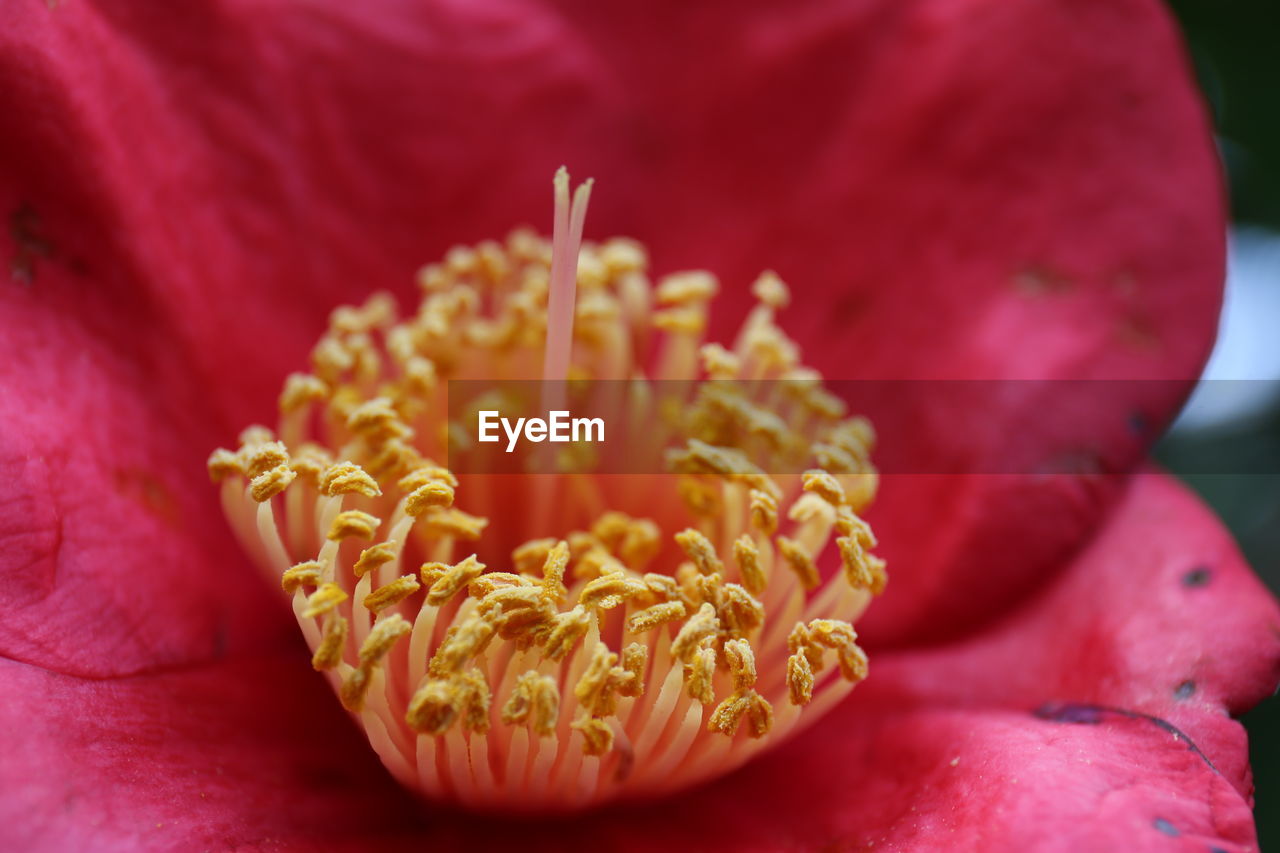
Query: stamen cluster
x=562, y=640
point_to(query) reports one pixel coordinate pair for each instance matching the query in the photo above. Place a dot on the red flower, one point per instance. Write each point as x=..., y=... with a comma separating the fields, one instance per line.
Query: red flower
x=954, y=189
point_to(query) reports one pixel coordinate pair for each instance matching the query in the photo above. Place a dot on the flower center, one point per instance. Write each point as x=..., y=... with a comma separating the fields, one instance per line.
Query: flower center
x=554, y=641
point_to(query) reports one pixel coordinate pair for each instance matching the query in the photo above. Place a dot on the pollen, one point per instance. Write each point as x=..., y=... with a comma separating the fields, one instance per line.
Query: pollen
x=552, y=642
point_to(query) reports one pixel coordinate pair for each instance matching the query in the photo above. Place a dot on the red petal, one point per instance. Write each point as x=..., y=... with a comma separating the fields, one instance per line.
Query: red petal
x=956, y=188
x=1055, y=730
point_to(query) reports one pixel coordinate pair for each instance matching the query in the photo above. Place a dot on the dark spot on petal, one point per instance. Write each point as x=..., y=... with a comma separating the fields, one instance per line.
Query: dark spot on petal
x=1185, y=690
x=1139, y=424
x=1083, y=714
x=1218, y=850
x=1042, y=281
x=1066, y=712
x=1139, y=333
x=29, y=241
x=1124, y=283
x=148, y=490
x=1199, y=576
x=1167, y=828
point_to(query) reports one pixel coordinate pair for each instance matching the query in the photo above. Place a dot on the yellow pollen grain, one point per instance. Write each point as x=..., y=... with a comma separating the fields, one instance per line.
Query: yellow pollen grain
x=373, y=557
x=328, y=653
x=353, y=523
x=325, y=598
x=390, y=594
x=303, y=574
x=799, y=561
x=348, y=478
x=267, y=485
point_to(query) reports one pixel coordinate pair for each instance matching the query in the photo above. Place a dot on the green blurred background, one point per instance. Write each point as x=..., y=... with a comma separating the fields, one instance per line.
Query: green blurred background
x=1235, y=426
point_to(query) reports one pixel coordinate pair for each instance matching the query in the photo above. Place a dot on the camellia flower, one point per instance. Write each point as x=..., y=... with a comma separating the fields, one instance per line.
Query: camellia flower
x=951, y=190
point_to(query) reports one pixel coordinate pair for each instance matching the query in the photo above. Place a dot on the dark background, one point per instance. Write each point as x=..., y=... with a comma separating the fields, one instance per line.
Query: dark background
x=1235, y=45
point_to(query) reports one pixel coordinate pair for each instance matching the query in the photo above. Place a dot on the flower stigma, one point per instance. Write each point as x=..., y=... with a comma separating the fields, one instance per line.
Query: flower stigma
x=552, y=642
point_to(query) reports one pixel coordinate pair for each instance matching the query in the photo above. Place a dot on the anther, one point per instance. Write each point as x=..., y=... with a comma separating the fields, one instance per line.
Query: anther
x=800, y=562
x=390, y=594
x=700, y=626
x=652, y=617
x=303, y=574
x=223, y=463
x=329, y=653
x=301, y=389
x=348, y=478
x=747, y=556
x=699, y=675
x=701, y=551
x=353, y=523
x=428, y=496
x=597, y=736
x=567, y=629
x=324, y=599
x=373, y=557
x=270, y=483
x=261, y=458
